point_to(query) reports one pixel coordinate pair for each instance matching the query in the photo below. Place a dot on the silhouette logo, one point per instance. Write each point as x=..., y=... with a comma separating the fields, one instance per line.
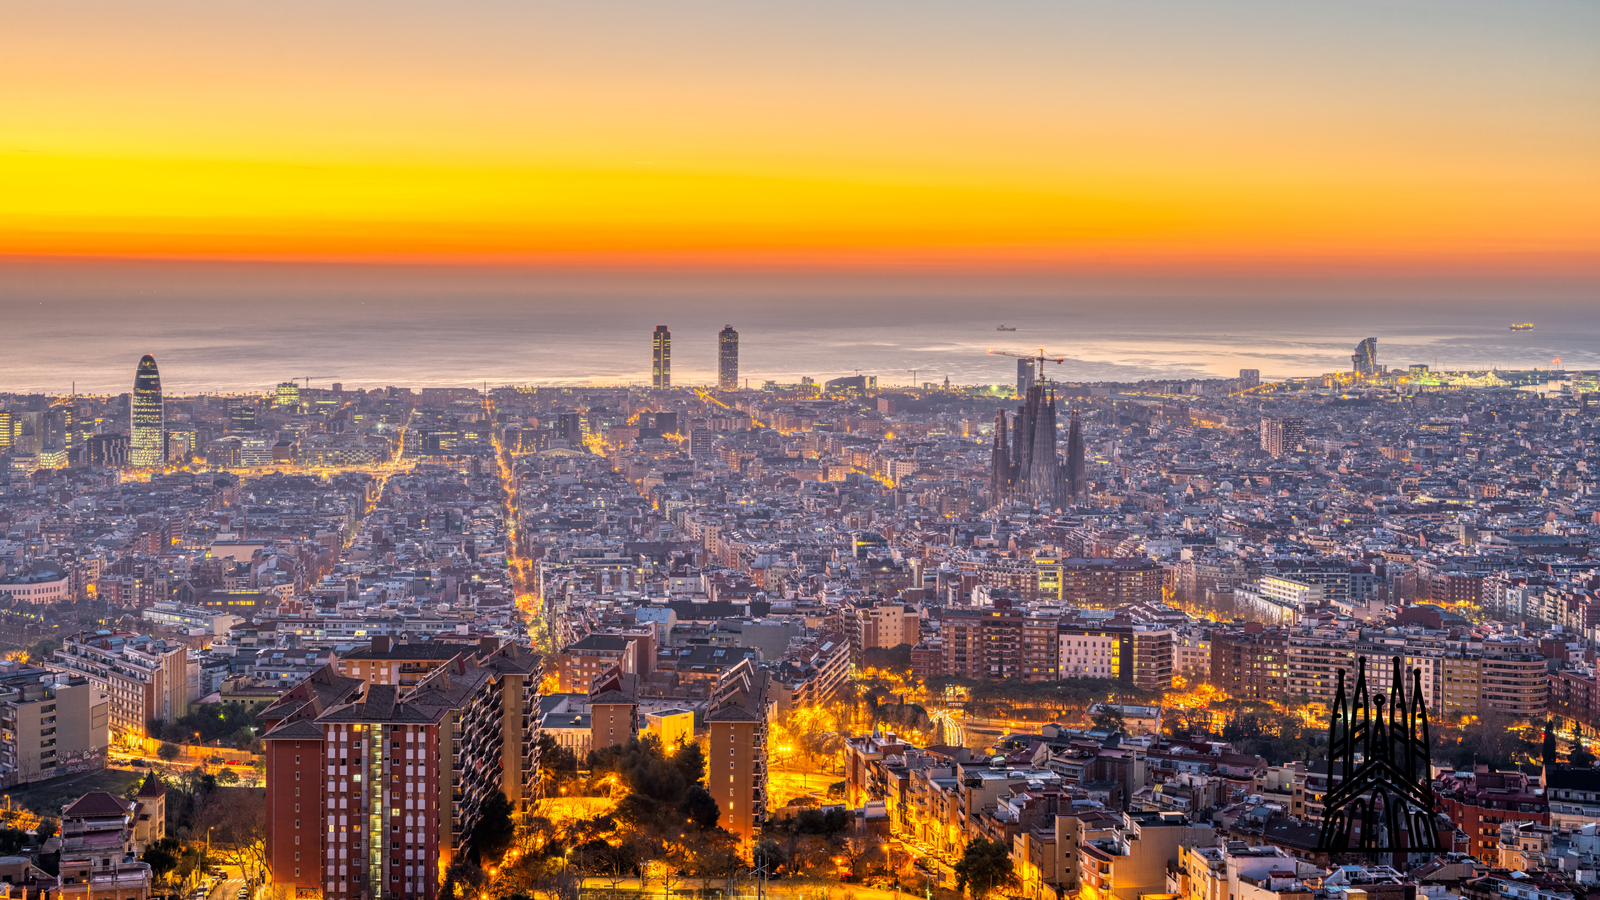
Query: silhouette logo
x=1383, y=802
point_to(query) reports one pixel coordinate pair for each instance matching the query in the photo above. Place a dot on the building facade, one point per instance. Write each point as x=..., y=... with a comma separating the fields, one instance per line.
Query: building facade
x=373, y=789
x=736, y=753
x=50, y=725
x=142, y=677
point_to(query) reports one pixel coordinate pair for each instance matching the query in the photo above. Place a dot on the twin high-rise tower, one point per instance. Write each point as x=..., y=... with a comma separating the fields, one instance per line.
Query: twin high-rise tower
x=661, y=358
x=147, y=419
x=1027, y=468
x=727, y=358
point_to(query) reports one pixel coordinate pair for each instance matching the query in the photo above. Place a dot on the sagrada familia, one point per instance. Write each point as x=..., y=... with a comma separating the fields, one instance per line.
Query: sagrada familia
x=1027, y=469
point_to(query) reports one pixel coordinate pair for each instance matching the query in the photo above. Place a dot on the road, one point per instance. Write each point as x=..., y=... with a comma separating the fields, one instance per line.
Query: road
x=229, y=889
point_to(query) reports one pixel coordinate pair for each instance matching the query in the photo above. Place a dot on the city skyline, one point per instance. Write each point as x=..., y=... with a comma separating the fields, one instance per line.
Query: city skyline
x=1068, y=395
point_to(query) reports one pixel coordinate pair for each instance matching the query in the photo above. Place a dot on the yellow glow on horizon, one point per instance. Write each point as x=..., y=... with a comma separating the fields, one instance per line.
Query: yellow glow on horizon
x=1017, y=134
x=68, y=205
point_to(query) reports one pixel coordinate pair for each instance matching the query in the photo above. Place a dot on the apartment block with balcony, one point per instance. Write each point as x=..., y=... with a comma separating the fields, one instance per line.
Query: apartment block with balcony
x=50, y=725
x=1134, y=858
x=1250, y=663
x=1516, y=681
x=736, y=752
x=373, y=788
x=143, y=678
x=882, y=626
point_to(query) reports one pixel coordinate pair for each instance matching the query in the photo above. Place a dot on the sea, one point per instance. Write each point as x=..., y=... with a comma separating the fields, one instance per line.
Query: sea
x=244, y=327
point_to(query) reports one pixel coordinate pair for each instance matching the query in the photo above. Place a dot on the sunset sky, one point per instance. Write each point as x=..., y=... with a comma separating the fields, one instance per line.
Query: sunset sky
x=1453, y=135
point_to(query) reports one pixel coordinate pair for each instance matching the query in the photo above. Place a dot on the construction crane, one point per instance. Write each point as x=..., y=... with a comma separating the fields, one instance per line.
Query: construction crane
x=1039, y=358
x=307, y=379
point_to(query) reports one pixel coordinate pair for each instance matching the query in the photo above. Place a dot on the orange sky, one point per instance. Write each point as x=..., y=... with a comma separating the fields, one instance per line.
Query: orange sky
x=1442, y=135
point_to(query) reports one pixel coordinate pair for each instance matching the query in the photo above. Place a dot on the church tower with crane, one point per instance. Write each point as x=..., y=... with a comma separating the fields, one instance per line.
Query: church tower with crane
x=1027, y=468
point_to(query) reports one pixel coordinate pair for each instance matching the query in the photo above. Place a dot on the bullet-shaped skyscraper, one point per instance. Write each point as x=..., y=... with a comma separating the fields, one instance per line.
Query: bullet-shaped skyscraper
x=728, y=359
x=661, y=358
x=147, y=417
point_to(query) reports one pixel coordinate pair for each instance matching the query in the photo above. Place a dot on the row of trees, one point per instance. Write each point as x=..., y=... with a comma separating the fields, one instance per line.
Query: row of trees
x=233, y=723
x=204, y=814
x=664, y=826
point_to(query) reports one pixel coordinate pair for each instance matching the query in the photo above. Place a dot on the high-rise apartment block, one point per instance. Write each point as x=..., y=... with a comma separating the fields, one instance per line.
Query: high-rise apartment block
x=728, y=359
x=1252, y=663
x=661, y=358
x=143, y=678
x=1249, y=378
x=1282, y=434
x=882, y=626
x=146, y=449
x=373, y=789
x=50, y=725
x=736, y=753
x=700, y=442
x=1100, y=583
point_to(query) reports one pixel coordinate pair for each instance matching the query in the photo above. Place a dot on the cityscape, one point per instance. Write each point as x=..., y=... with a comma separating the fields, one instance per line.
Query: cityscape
x=1019, y=450
x=1035, y=638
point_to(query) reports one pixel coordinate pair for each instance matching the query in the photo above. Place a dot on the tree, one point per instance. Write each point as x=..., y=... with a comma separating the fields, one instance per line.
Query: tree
x=12, y=840
x=701, y=808
x=162, y=856
x=46, y=830
x=1110, y=718
x=493, y=834
x=168, y=752
x=1549, y=754
x=768, y=855
x=236, y=819
x=42, y=650
x=1580, y=757
x=227, y=777
x=984, y=867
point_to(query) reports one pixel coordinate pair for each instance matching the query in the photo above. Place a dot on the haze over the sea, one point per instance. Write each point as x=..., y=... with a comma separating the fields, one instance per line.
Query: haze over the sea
x=246, y=327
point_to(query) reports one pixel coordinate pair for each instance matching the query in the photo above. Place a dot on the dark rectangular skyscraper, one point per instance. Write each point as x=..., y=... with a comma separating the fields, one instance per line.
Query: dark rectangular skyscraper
x=728, y=359
x=1282, y=434
x=1027, y=374
x=661, y=358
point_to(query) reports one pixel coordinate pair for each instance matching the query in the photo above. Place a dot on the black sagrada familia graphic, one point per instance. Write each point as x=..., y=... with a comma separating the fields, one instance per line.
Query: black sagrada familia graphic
x=1384, y=803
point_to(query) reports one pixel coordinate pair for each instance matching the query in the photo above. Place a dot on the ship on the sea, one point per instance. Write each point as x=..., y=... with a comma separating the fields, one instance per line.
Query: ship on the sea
x=1004, y=328
x=1522, y=326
